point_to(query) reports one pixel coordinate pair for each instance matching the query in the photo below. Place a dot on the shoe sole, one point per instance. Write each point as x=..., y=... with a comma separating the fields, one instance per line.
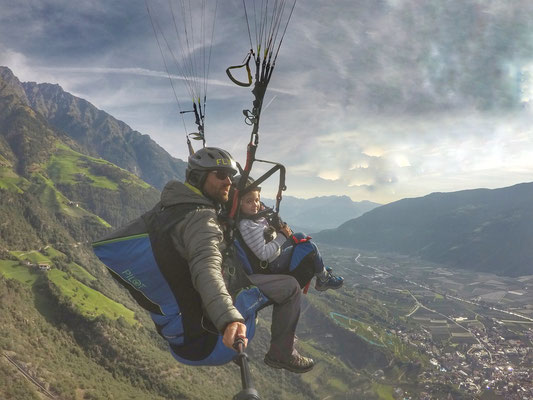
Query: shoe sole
x=280, y=365
x=327, y=288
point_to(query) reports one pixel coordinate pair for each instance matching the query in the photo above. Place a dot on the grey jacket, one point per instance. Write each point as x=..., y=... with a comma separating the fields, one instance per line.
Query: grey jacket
x=199, y=239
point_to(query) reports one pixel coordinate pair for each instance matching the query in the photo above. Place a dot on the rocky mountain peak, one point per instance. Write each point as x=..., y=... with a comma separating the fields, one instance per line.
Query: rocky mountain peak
x=11, y=88
x=101, y=135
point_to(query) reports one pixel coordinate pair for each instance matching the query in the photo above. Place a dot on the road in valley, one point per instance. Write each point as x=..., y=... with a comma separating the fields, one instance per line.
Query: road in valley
x=448, y=296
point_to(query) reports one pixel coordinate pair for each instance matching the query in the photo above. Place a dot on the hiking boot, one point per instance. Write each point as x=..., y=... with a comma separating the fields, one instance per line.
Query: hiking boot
x=296, y=363
x=331, y=282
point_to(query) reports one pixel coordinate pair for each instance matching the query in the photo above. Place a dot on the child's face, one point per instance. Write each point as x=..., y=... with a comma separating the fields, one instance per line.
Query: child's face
x=251, y=203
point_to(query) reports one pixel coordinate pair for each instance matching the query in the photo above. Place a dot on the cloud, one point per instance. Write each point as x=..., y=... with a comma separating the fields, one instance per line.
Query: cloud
x=380, y=155
x=130, y=71
x=392, y=58
x=372, y=99
x=16, y=61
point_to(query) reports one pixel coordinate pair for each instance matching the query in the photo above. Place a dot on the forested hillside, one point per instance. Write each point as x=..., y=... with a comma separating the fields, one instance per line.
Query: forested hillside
x=100, y=135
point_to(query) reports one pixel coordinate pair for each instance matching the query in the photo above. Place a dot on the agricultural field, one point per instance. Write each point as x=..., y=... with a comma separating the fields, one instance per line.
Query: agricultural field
x=89, y=302
x=72, y=285
x=67, y=166
x=13, y=270
x=12, y=182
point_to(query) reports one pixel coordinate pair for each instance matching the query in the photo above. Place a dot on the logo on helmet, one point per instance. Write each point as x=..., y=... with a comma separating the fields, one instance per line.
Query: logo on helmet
x=223, y=161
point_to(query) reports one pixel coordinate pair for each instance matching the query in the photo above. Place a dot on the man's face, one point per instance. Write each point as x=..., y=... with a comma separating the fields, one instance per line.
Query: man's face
x=217, y=185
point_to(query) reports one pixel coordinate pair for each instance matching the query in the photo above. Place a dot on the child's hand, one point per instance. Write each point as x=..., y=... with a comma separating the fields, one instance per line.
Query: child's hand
x=286, y=230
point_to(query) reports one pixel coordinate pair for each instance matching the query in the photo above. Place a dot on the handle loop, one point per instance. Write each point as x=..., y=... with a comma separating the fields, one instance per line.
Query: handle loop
x=248, y=71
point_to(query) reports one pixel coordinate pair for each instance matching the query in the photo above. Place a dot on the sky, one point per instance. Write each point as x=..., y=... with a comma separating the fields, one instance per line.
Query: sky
x=377, y=100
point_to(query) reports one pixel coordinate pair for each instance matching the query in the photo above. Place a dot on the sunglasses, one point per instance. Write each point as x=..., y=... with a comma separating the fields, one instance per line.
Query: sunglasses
x=223, y=174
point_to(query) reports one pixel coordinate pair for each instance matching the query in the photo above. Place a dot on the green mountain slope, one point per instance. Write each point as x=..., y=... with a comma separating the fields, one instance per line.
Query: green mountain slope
x=79, y=358
x=100, y=135
x=51, y=191
x=482, y=230
x=99, y=186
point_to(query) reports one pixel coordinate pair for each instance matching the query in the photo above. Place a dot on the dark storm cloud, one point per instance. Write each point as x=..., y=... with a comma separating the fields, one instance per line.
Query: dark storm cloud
x=419, y=56
x=66, y=32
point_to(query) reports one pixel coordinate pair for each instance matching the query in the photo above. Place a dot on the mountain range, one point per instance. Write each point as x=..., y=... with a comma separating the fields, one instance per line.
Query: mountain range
x=318, y=213
x=480, y=229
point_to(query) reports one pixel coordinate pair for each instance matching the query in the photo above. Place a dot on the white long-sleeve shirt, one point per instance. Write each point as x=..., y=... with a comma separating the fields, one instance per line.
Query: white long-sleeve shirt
x=253, y=233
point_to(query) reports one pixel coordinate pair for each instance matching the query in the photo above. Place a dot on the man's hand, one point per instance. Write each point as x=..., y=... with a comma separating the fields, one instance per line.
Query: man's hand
x=233, y=331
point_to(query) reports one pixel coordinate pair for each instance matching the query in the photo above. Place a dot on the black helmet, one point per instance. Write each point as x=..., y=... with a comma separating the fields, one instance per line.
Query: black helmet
x=208, y=159
x=237, y=179
x=235, y=183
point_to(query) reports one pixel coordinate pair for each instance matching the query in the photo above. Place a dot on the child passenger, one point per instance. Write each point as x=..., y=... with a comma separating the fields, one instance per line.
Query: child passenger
x=274, y=247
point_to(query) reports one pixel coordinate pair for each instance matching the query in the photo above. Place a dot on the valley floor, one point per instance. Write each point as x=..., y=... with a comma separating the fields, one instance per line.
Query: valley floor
x=476, y=329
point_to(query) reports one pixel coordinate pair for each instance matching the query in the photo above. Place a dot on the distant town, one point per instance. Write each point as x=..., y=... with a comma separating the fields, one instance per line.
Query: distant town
x=476, y=329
